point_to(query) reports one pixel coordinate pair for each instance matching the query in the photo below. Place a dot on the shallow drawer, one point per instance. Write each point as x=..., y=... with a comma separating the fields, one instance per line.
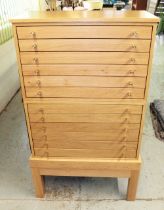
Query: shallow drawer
x=85, y=70
x=111, y=136
x=106, y=118
x=84, y=57
x=83, y=108
x=131, y=32
x=85, y=45
x=42, y=128
x=85, y=92
x=84, y=144
x=84, y=81
x=87, y=153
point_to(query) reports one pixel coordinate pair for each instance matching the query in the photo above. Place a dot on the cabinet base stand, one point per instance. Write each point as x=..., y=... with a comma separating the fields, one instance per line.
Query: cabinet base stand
x=121, y=168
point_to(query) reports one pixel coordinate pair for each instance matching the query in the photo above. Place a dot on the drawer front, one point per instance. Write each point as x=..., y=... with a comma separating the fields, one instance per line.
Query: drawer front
x=85, y=45
x=84, y=57
x=130, y=32
x=85, y=92
x=85, y=70
x=84, y=81
x=80, y=108
x=87, y=153
x=106, y=118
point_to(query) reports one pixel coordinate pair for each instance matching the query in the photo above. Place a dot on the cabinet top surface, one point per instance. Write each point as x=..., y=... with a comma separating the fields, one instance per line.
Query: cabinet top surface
x=86, y=16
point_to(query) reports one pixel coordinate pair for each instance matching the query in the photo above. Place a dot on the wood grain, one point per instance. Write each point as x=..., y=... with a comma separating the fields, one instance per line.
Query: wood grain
x=84, y=58
x=130, y=32
x=85, y=70
x=126, y=45
x=83, y=81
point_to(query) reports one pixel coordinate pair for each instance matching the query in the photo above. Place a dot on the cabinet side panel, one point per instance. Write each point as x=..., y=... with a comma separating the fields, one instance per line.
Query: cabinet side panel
x=154, y=27
x=22, y=86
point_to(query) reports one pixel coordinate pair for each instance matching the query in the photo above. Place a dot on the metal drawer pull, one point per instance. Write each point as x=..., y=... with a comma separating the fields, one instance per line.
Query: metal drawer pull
x=33, y=34
x=35, y=60
x=134, y=47
x=42, y=119
x=130, y=84
x=135, y=34
x=131, y=72
x=37, y=72
x=38, y=83
x=34, y=46
x=41, y=110
x=129, y=94
x=39, y=94
x=132, y=60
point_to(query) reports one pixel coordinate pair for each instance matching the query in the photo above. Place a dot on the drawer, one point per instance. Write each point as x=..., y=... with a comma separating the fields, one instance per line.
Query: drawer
x=85, y=45
x=80, y=108
x=43, y=128
x=87, y=153
x=84, y=57
x=110, y=136
x=85, y=92
x=106, y=118
x=42, y=32
x=85, y=70
x=84, y=81
x=84, y=144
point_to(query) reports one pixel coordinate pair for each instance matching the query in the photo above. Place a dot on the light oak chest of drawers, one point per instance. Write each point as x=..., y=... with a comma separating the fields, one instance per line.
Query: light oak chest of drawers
x=84, y=79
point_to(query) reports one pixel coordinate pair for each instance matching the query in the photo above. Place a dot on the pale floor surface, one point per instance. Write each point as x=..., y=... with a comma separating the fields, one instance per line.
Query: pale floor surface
x=16, y=189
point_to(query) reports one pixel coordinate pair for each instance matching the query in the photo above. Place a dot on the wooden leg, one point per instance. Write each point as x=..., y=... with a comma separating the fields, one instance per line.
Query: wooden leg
x=38, y=182
x=132, y=185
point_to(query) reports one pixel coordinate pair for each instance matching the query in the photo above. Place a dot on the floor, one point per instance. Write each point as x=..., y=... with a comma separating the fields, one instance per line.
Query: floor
x=16, y=189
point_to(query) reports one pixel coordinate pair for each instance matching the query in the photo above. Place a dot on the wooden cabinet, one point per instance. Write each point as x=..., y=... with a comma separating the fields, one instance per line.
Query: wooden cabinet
x=84, y=78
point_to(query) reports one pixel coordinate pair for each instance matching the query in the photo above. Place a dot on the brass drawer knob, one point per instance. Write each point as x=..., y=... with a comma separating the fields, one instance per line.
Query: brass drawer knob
x=33, y=34
x=35, y=60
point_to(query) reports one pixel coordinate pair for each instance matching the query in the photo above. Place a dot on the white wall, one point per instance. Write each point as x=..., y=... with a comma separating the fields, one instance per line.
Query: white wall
x=9, y=80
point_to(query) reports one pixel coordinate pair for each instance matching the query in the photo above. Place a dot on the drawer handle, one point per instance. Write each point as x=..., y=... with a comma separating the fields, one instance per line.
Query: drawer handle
x=37, y=72
x=42, y=119
x=134, y=34
x=132, y=72
x=129, y=94
x=132, y=60
x=35, y=60
x=33, y=34
x=134, y=47
x=41, y=110
x=38, y=83
x=39, y=94
x=130, y=84
x=34, y=46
